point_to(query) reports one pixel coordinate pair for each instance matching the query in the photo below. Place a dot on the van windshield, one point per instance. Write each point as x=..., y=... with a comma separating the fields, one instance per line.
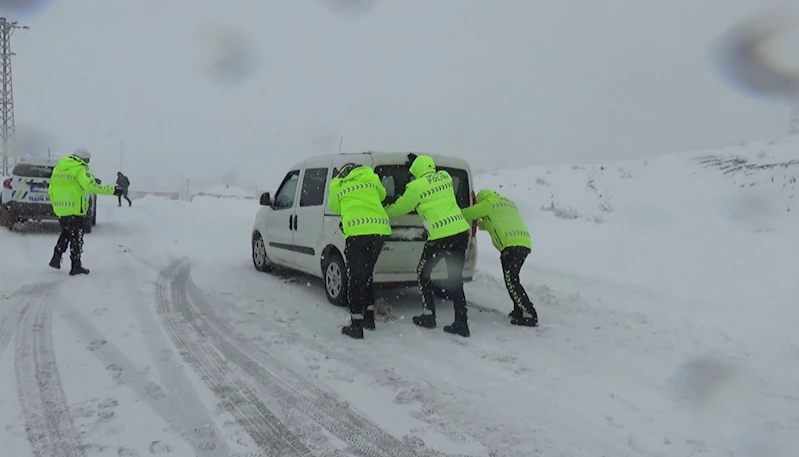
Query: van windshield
x=396, y=177
x=27, y=170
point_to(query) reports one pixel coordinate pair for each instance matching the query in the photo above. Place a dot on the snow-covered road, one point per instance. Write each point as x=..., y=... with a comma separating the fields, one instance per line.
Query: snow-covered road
x=661, y=335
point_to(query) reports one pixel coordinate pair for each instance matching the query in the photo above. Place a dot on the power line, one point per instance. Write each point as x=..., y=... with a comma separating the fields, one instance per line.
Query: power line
x=7, y=128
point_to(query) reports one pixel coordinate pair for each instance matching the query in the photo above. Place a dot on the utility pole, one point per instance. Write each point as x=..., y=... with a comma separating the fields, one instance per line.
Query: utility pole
x=6, y=90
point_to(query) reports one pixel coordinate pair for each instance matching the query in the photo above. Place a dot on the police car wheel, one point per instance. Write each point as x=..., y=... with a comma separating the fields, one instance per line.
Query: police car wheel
x=335, y=276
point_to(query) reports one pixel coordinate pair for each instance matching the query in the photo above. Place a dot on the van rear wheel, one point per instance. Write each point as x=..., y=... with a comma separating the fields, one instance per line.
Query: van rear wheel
x=335, y=276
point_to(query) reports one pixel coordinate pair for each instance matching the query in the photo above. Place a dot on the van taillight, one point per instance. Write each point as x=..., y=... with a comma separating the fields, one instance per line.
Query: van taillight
x=7, y=183
x=474, y=223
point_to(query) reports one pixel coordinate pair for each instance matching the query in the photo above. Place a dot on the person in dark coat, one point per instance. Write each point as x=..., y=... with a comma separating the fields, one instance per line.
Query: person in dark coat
x=123, y=183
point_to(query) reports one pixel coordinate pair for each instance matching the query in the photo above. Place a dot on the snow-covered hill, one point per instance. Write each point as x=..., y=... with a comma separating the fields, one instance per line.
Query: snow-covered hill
x=667, y=291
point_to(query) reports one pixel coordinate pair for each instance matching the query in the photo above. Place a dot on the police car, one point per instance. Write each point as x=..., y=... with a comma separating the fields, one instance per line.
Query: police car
x=25, y=199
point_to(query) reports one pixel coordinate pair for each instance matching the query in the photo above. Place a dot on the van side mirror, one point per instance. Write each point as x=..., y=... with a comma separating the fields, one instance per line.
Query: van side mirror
x=266, y=200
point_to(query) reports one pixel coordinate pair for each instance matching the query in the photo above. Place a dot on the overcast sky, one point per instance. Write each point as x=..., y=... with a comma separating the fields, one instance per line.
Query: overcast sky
x=503, y=83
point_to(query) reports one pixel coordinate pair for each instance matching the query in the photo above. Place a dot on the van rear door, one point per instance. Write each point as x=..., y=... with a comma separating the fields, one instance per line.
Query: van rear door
x=403, y=249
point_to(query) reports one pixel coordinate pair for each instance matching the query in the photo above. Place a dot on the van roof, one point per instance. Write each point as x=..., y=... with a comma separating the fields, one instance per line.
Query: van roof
x=400, y=156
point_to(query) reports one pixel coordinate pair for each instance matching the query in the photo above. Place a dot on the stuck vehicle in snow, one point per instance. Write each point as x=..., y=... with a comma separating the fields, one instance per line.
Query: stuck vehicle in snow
x=296, y=230
x=25, y=198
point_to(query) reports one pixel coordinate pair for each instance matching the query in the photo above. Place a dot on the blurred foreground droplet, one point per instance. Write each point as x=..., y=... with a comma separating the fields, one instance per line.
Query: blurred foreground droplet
x=743, y=58
x=349, y=7
x=230, y=57
x=14, y=8
x=701, y=379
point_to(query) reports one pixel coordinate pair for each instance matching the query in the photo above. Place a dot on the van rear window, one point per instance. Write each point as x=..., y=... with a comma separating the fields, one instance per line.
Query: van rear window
x=27, y=170
x=396, y=177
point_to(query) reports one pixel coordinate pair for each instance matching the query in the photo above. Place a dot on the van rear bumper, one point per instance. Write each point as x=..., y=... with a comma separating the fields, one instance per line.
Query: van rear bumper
x=391, y=281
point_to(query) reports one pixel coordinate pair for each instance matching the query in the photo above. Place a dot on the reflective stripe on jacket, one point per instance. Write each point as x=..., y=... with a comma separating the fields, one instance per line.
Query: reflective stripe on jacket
x=500, y=217
x=358, y=199
x=432, y=195
x=70, y=181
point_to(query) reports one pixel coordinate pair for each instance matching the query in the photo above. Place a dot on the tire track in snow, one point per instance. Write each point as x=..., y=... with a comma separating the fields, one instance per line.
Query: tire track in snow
x=197, y=430
x=366, y=362
x=192, y=340
x=11, y=320
x=48, y=420
x=182, y=393
x=291, y=389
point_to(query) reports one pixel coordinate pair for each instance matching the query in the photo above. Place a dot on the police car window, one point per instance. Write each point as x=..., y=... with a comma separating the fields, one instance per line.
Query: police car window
x=27, y=170
x=313, y=187
x=288, y=191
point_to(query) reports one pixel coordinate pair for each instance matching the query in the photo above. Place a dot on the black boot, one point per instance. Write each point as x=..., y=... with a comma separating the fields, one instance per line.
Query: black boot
x=369, y=318
x=517, y=317
x=459, y=327
x=354, y=330
x=425, y=320
x=55, y=262
x=77, y=269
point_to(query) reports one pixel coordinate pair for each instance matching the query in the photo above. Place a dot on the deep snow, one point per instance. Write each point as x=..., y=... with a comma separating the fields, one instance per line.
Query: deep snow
x=666, y=288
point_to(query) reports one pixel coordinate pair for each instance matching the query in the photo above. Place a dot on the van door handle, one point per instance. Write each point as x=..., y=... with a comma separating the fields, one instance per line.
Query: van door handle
x=291, y=223
x=295, y=222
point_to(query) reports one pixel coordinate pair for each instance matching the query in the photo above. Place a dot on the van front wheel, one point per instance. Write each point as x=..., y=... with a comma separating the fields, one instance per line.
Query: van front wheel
x=335, y=276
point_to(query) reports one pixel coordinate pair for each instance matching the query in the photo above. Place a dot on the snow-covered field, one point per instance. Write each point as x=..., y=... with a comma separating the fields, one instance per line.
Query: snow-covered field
x=668, y=293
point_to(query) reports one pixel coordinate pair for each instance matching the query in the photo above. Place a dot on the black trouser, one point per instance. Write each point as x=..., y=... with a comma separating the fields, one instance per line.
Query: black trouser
x=72, y=235
x=124, y=194
x=362, y=252
x=512, y=259
x=453, y=248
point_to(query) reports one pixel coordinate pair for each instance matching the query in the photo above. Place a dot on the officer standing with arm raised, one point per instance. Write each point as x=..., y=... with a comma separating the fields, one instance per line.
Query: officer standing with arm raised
x=70, y=181
x=356, y=193
x=500, y=217
x=432, y=195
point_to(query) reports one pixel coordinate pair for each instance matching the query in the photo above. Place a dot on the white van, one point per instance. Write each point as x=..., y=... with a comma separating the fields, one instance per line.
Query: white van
x=296, y=230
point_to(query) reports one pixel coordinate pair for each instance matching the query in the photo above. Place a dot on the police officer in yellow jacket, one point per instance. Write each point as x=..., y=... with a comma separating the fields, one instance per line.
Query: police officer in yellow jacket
x=356, y=193
x=432, y=195
x=70, y=181
x=500, y=217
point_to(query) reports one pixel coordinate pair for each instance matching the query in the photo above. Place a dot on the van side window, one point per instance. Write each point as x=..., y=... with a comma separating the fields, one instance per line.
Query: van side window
x=284, y=198
x=313, y=187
